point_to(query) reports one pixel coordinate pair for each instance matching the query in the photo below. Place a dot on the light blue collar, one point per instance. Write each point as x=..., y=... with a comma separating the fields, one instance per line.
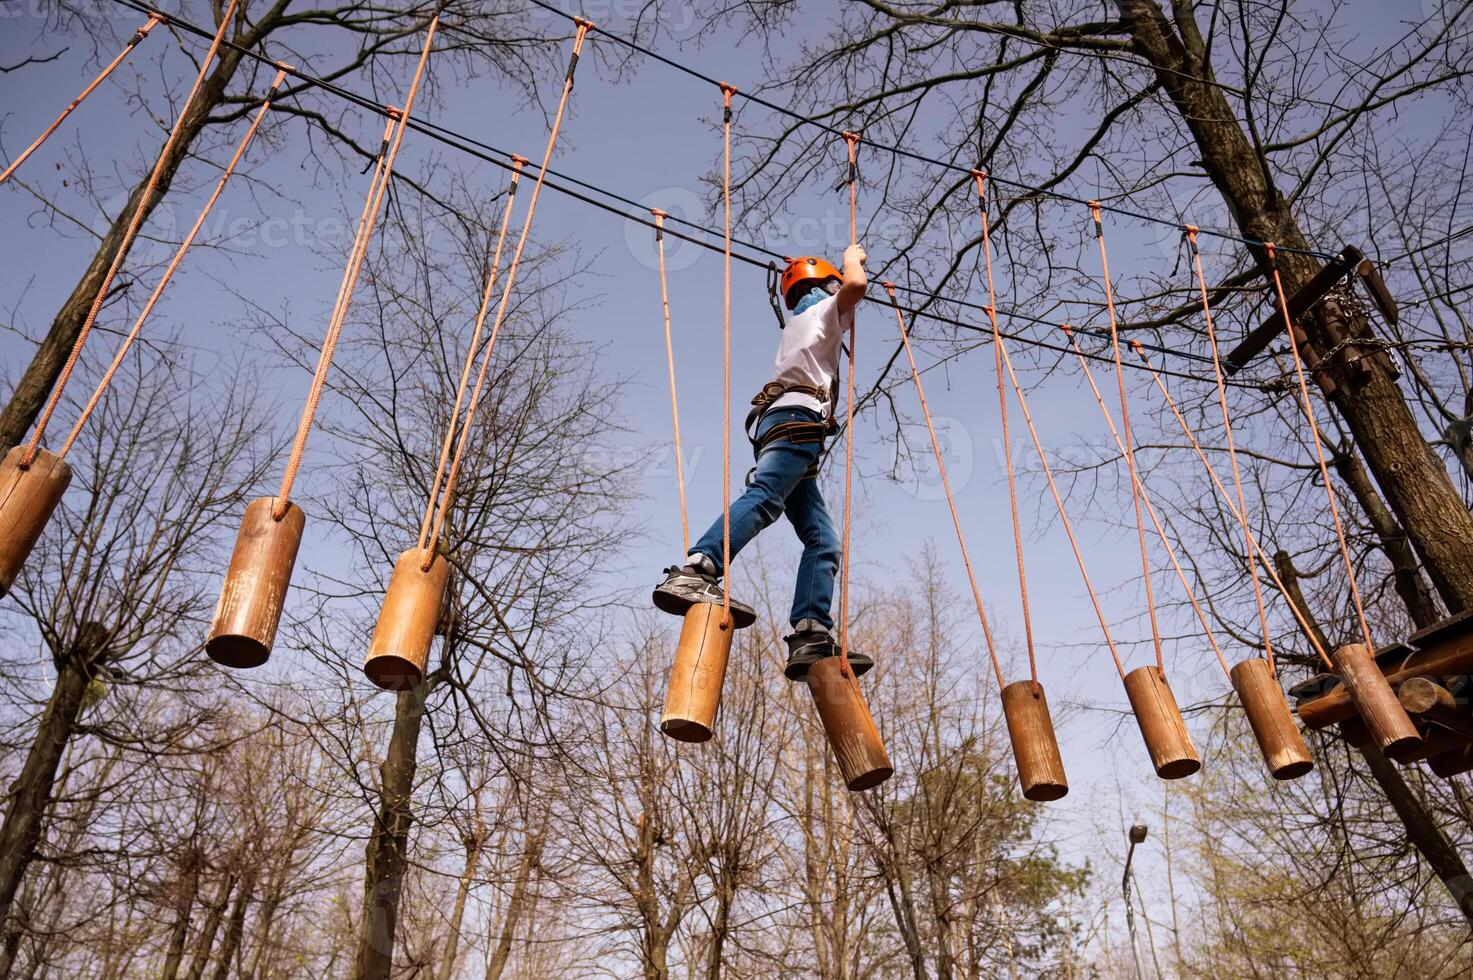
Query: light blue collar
x=815, y=295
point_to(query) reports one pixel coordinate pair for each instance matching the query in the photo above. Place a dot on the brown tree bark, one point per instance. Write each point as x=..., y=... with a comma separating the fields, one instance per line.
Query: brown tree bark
x=387, y=858
x=230, y=948
x=1414, y=481
x=1406, y=573
x=179, y=933
x=531, y=860
x=205, y=945
x=30, y=794
x=475, y=840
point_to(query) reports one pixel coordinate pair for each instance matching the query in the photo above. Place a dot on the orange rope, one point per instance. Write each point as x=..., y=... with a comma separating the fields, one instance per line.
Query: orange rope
x=126, y=243
x=1146, y=499
x=1319, y=449
x=1059, y=505
x=1227, y=428
x=851, y=142
x=173, y=266
x=511, y=279
x=376, y=193
x=980, y=178
x=472, y=349
x=670, y=363
x=1125, y=440
x=153, y=21
x=727, y=91
x=1227, y=500
x=946, y=485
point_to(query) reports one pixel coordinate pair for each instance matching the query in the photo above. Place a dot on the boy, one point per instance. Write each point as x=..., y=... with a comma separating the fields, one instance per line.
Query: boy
x=792, y=415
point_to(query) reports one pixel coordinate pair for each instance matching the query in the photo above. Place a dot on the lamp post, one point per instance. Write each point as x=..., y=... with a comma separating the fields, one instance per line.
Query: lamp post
x=1136, y=835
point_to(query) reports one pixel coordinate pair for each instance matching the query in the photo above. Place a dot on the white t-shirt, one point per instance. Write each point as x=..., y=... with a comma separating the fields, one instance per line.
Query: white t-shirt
x=809, y=353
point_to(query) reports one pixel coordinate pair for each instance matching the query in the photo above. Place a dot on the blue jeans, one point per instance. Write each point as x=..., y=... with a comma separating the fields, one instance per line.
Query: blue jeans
x=778, y=486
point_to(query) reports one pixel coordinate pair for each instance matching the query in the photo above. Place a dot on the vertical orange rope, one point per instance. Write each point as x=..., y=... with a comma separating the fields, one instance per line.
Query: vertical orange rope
x=851, y=143
x=1059, y=506
x=1227, y=428
x=173, y=266
x=727, y=91
x=1146, y=500
x=153, y=21
x=946, y=485
x=126, y=242
x=1227, y=500
x=1126, y=440
x=376, y=193
x=979, y=177
x=472, y=349
x=511, y=278
x=1319, y=449
x=670, y=364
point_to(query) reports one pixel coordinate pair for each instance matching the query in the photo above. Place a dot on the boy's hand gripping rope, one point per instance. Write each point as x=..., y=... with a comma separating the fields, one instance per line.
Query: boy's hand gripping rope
x=129, y=234
x=670, y=364
x=1125, y=439
x=946, y=485
x=173, y=266
x=1227, y=429
x=154, y=20
x=979, y=178
x=511, y=278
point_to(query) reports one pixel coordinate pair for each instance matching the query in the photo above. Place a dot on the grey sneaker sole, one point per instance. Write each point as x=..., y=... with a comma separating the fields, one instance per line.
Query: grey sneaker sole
x=677, y=594
x=798, y=664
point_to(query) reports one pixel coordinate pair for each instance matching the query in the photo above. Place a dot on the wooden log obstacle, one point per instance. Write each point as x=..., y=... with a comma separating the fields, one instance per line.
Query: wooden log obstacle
x=251, y=600
x=27, y=498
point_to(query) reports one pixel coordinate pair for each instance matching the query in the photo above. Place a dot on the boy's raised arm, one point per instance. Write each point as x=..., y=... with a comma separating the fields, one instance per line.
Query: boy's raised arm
x=852, y=290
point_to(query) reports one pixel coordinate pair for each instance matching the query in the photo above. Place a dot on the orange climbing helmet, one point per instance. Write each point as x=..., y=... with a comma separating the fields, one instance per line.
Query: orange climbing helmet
x=805, y=270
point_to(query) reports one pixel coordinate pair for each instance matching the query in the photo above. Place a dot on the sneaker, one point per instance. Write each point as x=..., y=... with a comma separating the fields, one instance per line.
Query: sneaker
x=684, y=586
x=812, y=643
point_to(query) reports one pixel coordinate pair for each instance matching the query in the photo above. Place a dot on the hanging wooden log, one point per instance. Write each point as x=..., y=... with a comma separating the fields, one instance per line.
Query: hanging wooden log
x=863, y=761
x=1430, y=701
x=1450, y=657
x=1392, y=730
x=694, y=693
x=1162, y=726
x=449, y=610
x=400, y=647
x=27, y=499
x=1268, y=714
x=1035, y=747
x=255, y=586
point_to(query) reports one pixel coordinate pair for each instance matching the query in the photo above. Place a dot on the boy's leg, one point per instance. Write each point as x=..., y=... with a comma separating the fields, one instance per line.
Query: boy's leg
x=780, y=468
x=813, y=592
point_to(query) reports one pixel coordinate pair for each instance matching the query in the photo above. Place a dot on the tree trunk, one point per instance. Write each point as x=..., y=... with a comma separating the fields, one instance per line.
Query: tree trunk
x=206, y=943
x=474, y=842
x=387, y=857
x=1411, y=476
x=721, y=925
x=30, y=794
x=174, y=958
x=233, y=932
x=531, y=860
x=34, y=387
x=1423, y=833
x=1406, y=574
